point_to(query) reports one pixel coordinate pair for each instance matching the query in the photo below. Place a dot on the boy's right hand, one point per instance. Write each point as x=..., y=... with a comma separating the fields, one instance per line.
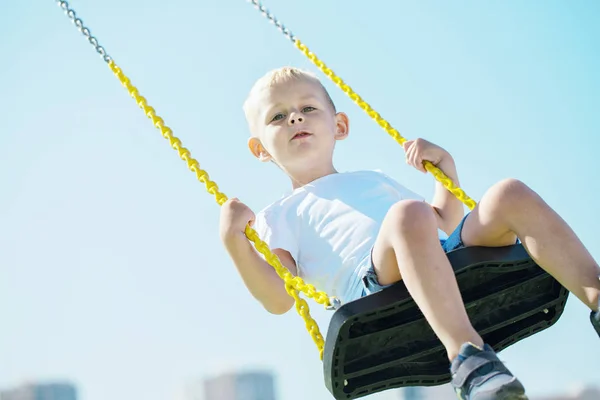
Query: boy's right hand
x=235, y=215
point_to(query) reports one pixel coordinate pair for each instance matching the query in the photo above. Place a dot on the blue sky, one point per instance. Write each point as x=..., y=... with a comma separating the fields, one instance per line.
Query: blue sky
x=111, y=270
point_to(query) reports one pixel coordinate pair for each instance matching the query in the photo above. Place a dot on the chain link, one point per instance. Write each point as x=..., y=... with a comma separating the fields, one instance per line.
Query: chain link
x=84, y=30
x=273, y=20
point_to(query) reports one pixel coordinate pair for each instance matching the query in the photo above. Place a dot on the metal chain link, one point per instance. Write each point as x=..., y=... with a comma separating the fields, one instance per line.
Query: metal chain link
x=84, y=30
x=274, y=20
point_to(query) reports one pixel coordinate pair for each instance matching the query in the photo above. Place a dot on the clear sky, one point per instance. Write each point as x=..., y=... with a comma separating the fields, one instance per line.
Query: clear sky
x=111, y=269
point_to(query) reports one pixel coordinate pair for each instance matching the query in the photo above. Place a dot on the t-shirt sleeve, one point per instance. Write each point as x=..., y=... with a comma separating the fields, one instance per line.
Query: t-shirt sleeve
x=275, y=229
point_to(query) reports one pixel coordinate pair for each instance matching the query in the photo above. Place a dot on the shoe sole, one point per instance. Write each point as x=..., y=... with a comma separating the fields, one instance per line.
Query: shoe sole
x=504, y=395
x=511, y=391
x=511, y=396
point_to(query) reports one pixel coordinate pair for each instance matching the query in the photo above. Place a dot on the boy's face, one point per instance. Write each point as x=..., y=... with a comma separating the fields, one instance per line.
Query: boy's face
x=295, y=124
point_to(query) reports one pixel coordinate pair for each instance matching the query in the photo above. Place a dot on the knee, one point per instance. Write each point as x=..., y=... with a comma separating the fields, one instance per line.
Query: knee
x=512, y=193
x=411, y=216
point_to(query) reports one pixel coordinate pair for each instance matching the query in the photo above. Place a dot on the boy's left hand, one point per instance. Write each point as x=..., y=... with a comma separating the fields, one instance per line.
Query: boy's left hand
x=420, y=150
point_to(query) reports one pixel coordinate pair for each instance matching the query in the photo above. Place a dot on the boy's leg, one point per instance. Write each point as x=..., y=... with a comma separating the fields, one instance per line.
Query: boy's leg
x=408, y=248
x=509, y=210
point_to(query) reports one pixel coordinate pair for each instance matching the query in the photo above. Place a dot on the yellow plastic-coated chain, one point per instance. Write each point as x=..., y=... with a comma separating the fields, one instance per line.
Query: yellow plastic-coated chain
x=435, y=171
x=293, y=285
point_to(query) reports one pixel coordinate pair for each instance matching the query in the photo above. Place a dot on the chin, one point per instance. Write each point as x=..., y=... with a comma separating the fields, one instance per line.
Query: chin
x=311, y=157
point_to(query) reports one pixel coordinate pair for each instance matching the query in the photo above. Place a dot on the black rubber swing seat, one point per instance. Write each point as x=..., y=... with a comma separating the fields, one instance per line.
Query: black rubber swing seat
x=382, y=341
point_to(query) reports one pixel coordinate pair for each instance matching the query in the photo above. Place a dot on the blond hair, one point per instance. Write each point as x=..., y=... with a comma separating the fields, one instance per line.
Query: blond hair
x=279, y=76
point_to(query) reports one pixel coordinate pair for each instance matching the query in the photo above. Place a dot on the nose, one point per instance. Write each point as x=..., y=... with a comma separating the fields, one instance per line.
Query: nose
x=295, y=119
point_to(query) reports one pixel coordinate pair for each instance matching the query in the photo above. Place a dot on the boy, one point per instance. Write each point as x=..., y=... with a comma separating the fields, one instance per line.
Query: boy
x=351, y=234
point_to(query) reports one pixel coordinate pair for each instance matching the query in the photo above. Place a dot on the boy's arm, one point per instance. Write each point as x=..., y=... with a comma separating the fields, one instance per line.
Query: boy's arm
x=449, y=210
x=259, y=277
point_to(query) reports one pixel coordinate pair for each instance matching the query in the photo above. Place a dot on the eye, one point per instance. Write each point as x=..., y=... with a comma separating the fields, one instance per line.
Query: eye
x=277, y=117
x=308, y=109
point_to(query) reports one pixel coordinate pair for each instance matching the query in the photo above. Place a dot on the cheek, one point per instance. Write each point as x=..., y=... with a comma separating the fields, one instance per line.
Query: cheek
x=330, y=127
x=329, y=124
x=272, y=139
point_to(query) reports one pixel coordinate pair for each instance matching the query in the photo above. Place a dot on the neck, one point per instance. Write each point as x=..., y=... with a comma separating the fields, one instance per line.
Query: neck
x=306, y=176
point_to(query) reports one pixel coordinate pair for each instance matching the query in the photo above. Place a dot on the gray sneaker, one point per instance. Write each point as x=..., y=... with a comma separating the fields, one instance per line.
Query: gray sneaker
x=595, y=319
x=478, y=374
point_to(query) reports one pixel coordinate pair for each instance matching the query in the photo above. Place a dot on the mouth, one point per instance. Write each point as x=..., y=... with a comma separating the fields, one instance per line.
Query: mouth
x=300, y=135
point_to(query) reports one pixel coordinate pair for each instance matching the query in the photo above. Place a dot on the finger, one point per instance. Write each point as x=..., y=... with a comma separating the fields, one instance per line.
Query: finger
x=409, y=155
x=407, y=145
x=229, y=204
x=419, y=160
x=414, y=157
x=419, y=155
x=419, y=164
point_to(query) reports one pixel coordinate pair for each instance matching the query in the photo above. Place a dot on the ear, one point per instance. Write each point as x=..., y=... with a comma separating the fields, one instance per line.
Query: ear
x=258, y=150
x=342, y=126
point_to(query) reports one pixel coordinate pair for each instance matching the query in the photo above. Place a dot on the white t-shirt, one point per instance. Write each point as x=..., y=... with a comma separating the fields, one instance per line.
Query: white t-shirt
x=330, y=225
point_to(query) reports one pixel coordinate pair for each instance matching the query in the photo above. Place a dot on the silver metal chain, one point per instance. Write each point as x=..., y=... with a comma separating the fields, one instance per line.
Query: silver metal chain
x=84, y=30
x=94, y=42
x=274, y=20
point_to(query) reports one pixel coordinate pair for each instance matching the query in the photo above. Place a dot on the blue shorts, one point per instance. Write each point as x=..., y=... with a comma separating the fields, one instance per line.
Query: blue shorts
x=454, y=241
